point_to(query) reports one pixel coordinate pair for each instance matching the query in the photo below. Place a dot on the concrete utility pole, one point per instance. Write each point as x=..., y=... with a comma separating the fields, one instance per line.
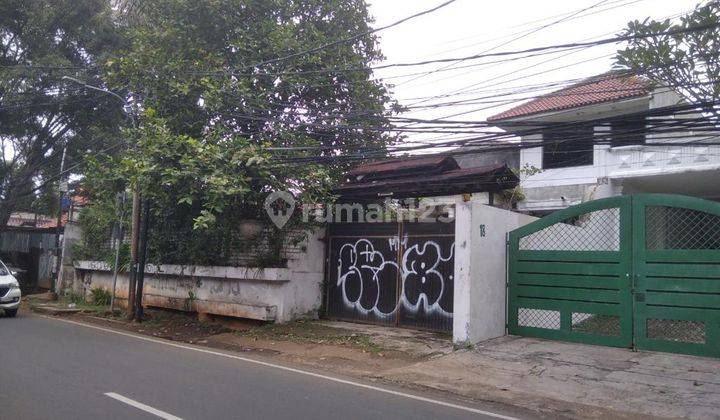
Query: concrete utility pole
x=136, y=200
x=62, y=190
x=142, y=258
x=134, y=239
x=120, y=236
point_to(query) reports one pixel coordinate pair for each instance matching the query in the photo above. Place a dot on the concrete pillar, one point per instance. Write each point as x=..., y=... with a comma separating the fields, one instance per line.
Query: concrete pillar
x=462, y=301
x=480, y=270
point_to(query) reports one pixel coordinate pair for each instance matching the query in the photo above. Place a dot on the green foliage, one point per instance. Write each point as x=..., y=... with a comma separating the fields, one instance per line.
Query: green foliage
x=202, y=153
x=100, y=296
x=189, y=300
x=208, y=175
x=516, y=195
x=100, y=216
x=97, y=223
x=40, y=41
x=97, y=220
x=76, y=298
x=686, y=61
x=124, y=262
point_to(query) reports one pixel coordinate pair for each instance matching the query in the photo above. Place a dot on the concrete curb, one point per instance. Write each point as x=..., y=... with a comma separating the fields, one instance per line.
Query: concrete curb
x=54, y=310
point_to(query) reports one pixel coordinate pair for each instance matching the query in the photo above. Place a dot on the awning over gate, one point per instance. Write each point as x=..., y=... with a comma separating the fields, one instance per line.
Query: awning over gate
x=423, y=177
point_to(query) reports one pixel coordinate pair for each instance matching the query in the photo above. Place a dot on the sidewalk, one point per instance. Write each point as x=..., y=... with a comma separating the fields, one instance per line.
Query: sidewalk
x=572, y=380
x=537, y=373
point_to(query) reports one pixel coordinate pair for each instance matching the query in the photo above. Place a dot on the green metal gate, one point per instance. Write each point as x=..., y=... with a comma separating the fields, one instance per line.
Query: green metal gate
x=637, y=271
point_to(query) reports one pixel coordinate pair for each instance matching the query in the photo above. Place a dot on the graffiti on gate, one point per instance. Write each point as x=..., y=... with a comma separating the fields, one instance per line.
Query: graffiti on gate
x=367, y=277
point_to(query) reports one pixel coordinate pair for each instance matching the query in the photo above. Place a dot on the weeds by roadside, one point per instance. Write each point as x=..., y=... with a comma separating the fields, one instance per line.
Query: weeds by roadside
x=182, y=326
x=97, y=307
x=313, y=333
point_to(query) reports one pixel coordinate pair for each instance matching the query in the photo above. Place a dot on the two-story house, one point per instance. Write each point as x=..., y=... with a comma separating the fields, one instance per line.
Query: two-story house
x=575, y=166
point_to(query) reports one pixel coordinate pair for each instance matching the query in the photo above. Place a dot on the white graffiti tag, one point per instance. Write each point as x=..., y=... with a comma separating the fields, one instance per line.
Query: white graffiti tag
x=365, y=279
x=368, y=281
x=423, y=284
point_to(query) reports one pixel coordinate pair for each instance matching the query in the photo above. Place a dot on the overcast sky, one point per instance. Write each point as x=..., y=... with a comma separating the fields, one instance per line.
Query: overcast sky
x=469, y=27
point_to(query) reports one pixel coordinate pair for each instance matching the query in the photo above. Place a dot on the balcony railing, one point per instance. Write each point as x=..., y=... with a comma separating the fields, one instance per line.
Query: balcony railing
x=632, y=161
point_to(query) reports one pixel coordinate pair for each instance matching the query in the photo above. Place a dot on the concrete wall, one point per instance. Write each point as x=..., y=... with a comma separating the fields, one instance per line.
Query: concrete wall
x=480, y=270
x=270, y=294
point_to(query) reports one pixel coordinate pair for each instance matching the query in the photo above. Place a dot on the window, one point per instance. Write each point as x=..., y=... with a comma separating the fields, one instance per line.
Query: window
x=571, y=146
x=628, y=131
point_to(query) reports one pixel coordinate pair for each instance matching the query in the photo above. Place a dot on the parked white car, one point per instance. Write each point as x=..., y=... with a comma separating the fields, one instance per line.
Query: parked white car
x=9, y=291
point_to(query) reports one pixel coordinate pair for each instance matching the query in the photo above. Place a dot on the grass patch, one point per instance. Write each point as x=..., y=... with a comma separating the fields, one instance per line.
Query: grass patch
x=100, y=296
x=313, y=333
x=79, y=302
x=170, y=320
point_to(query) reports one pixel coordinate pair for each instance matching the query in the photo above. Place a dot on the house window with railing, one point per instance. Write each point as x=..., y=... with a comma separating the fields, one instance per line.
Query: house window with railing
x=567, y=147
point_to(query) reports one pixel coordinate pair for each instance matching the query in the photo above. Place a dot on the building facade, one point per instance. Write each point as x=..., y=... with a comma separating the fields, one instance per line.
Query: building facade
x=606, y=136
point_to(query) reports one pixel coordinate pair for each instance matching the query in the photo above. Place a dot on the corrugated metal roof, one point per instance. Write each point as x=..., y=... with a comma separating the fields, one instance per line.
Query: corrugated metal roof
x=456, y=181
x=410, y=163
x=608, y=87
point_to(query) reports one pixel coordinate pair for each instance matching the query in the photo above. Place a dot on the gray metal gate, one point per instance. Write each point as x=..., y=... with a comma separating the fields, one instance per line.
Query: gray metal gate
x=397, y=274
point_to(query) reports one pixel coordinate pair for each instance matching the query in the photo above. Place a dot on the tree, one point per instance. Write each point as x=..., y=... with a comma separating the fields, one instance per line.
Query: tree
x=40, y=113
x=212, y=115
x=685, y=59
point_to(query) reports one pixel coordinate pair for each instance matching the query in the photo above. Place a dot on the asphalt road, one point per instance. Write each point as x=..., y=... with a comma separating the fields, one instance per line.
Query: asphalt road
x=50, y=368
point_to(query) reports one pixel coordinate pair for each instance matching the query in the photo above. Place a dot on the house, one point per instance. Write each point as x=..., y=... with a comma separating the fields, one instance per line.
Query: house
x=438, y=265
x=594, y=141
x=29, y=242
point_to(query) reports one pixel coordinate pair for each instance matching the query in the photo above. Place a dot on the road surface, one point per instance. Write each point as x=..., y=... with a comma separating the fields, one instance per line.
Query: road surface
x=55, y=369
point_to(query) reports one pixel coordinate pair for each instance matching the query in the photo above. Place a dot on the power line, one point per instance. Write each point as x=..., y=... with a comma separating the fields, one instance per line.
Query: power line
x=604, y=41
x=502, y=44
x=539, y=127
x=350, y=39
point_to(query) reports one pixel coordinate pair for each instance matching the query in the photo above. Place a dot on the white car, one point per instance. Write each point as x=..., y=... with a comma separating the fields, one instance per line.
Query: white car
x=9, y=291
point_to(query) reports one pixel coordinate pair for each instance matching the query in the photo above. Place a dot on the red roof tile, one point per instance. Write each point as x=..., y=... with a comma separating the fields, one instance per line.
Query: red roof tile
x=608, y=87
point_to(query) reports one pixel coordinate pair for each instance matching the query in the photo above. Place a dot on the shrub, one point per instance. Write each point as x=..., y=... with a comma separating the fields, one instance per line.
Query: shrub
x=100, y=296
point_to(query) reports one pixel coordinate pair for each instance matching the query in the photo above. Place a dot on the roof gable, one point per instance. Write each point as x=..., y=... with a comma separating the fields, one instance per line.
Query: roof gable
x=608, y=87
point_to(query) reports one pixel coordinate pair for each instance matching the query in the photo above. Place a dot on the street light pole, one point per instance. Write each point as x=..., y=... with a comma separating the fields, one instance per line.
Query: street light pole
x=135, y=229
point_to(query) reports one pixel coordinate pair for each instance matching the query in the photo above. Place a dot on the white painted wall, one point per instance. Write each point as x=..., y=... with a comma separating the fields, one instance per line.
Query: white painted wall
x=271, y=294
x=480, y=270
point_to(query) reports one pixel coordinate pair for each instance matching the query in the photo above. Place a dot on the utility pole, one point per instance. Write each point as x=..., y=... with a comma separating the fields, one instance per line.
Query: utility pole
x=142, y=259
x=62, y=189
x=136, y=198
x=134, y=263
x=120, y=236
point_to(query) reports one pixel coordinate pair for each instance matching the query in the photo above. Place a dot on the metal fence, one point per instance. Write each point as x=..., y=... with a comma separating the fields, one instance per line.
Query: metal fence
x=392, y=274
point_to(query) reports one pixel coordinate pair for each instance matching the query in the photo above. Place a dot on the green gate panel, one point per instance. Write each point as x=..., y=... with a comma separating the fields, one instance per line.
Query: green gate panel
x=570, y=277
x=637, y=271
x=676, y=262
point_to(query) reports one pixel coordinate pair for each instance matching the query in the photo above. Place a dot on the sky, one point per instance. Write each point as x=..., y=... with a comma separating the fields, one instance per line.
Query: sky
x=468, y=27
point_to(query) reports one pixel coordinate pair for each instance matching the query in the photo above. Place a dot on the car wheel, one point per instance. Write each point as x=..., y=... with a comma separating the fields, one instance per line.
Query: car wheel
x=10, y=313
